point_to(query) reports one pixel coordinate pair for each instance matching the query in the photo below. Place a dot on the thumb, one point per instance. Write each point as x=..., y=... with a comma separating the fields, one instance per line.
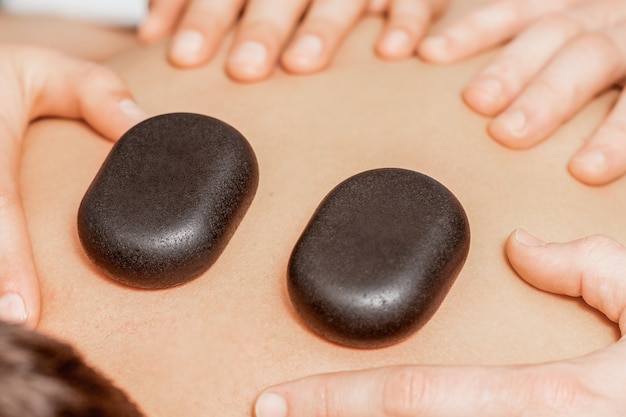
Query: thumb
x=443, y=391
x=592, y=268
x=54, y=84
x=40, y=82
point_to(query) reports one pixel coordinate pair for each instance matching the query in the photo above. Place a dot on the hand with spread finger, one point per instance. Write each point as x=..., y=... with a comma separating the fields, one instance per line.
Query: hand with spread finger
x=563, y=53
x=592, y=268
x=300, y=35
x=37, y=82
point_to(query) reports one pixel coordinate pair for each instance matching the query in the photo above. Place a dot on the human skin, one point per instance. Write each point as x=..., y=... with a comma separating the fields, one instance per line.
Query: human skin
x=210, y=346
x=558, y=55
x=591, y=268
x=73, y=37
x=523, y=88
x=301, y=36
x=42, y=377
x=38, y=82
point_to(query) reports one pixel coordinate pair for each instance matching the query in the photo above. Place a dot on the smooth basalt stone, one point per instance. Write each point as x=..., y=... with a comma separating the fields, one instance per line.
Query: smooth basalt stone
x=167, y=199
x=378, y=257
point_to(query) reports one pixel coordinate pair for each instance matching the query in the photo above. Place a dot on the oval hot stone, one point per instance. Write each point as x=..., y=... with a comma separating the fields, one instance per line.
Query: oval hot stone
x=167, y=199
x=378, y=257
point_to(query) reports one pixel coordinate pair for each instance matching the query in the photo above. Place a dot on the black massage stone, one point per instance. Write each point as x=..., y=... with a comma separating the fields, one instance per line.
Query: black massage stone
x=378, y=257
x=167, y=199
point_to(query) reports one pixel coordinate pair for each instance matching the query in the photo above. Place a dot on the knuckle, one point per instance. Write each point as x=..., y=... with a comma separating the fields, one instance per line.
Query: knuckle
x=329, y=24
x=210, y=16
x=205, y=9
x=598, y=284
x=557, y=393
x=377, y=6
x=558, y=85
x=599, y=243
x=614, y=128
x=509, y=70
x=560, y=24
x=603, y=47
x=405, y=392
x=550, y=91
x=322, y=395
x=99, y=78
x=263, y=30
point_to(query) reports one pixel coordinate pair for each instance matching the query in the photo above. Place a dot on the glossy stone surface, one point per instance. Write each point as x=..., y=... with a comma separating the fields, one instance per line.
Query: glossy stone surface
x=167, y=200
x=378, y=257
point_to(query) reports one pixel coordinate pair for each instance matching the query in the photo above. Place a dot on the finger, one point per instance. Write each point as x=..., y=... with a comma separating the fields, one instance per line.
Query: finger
x=377, y=6
x=161, y=19
x=40, y=82
x=19, y=286
x=557, y=93
x=58, y=85
x=203, y=26
x=432, y=391
x=320, y=34
x=407, y=22
x=603, y=158
x=593, y=268
x=503, y=79
x=497, y=85
x=486, y=27
x=263, y=32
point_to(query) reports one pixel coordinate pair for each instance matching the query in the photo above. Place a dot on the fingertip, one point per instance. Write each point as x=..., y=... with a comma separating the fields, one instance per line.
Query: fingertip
x=20, y=297
x=305, y=55
x=150, y=30
x=484, y=96
x=590, y=167
x=115, y=116
x=511, y=129
x=536, y=261
x=270, y=404
x=13, y=308
x=395, y=44
x=600, y=163
x=525, y=239
x=131, y=111
x=188, y=48
x=249, y=61
x=520, y=248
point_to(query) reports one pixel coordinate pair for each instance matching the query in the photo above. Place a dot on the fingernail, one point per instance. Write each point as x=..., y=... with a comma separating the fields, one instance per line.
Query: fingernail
x=132, y=110
x=515, y=122
x=270, y=404
x=527, y=239
x=250, y=54
x=12, y=308
x=306, y=51
x=592, y=160
x=187, y=46
x=396, y=42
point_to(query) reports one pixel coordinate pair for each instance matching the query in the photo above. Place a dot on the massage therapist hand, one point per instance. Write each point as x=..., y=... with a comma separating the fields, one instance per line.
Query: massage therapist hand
x=271, y=32
x=37, y=82
x=593, y=385
x=564, y=52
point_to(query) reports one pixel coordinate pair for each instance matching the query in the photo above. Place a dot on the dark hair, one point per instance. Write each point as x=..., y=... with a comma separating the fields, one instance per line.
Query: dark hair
x=42, y=377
